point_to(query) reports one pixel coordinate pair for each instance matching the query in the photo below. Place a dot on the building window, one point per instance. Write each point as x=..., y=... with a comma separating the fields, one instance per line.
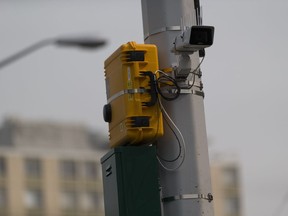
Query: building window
x=231, y=206
x=91, y=201
x=68, y=169
x=3, y=198
x=230, y=176
x=2, y=166
x=33, y=198
x=91, y=170
x=69, y=200
x=33, y=168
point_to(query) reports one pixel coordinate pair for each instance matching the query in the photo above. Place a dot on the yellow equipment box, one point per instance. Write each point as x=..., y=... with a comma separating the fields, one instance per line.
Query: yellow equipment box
x=132, y=108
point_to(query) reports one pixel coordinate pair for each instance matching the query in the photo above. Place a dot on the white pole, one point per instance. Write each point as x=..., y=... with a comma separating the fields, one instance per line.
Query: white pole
x=182, y=151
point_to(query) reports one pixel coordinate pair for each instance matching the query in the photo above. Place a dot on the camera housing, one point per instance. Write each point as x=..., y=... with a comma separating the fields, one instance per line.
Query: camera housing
x=194, y=38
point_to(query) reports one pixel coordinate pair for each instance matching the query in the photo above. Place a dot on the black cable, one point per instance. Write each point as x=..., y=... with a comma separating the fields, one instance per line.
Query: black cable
x=165, y=79
x=197, y=68
x=194, y=72
x=194, y=79
x=169, y=81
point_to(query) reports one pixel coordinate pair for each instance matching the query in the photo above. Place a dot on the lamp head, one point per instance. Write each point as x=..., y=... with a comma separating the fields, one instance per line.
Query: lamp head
x=85, y=42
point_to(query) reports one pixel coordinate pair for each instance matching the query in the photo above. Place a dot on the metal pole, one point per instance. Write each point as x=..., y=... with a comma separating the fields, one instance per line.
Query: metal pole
x=183, y=150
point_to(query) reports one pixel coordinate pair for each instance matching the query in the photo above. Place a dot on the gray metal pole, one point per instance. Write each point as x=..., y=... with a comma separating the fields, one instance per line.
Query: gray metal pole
x=182, y=152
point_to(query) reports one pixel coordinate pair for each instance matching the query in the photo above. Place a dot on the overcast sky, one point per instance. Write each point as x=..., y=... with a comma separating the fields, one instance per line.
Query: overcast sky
x=244, y=75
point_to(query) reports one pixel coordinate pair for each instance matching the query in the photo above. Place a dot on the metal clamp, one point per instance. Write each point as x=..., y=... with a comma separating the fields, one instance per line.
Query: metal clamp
x=163, y=29
x=208, y=197
x=126, y=91
x=192, y=91
x=187, y=91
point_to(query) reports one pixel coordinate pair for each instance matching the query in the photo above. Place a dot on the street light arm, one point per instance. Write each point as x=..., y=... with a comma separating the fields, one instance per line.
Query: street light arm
x=22, y=53
x=81, y=42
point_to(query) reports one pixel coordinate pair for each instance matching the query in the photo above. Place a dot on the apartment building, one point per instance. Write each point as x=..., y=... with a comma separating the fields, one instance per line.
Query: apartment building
x=49, y=169
x=226, y=186
x=53, y=169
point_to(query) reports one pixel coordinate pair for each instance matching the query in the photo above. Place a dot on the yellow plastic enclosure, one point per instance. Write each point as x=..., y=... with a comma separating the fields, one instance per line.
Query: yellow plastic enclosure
x=132, y=108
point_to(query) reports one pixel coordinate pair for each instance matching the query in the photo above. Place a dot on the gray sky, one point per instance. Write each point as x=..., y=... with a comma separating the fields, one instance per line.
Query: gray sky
x=245, y=77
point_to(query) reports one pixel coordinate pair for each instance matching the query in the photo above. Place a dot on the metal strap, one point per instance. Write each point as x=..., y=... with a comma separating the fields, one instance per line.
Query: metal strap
x=192, y=91
x=199, y=93
x=187, y=91
x=163, y=29
x=126, y=91
x=208, y=197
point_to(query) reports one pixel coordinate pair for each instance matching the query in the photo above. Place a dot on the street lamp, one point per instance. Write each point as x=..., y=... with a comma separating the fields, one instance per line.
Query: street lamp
x=80, y=42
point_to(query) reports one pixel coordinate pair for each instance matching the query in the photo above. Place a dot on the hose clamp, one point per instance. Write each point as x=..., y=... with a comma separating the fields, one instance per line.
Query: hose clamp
x=126, y=91
x=208, y=197
x=163, y=29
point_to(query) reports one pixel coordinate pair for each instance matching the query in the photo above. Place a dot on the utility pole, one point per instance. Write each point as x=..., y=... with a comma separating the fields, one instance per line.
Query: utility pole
x=183, y=150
